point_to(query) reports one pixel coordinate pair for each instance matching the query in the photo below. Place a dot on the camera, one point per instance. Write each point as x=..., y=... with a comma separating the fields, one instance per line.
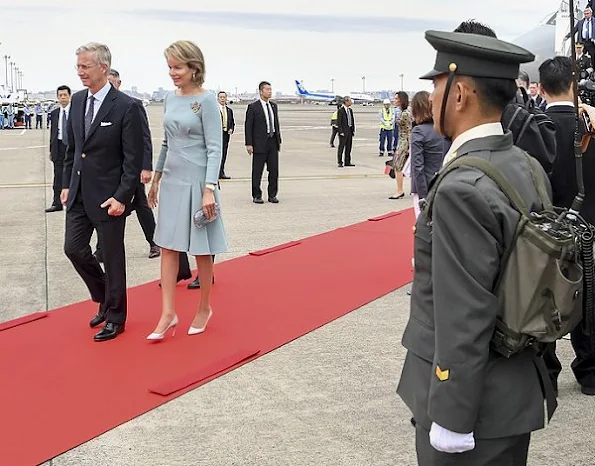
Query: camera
x=586, y=91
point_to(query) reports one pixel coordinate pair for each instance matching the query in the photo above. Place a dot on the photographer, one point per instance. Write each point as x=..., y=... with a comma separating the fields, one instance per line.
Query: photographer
x=555, y=76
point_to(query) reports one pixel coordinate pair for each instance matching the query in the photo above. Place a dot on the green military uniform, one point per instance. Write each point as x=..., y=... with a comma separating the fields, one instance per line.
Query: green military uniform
x=450, y=376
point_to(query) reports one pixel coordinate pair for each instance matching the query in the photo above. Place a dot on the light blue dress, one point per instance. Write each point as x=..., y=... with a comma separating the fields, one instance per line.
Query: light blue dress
x=190, y=157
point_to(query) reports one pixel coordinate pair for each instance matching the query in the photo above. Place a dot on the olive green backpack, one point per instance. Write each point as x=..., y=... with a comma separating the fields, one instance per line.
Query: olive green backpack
x=540, y=285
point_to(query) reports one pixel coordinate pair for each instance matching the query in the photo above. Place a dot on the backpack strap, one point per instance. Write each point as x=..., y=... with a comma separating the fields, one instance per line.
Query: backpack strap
x=526, y=124
x=513, y=117
x=535, y=169
x=484, y=166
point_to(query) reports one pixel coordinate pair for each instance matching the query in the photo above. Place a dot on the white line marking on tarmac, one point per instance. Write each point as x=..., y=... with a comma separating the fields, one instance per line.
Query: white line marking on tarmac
x=21, y=148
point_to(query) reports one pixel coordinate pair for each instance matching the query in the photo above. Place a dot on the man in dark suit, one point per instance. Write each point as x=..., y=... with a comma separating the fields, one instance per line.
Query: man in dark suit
x=58, y=142
x=228, y=126
x=101, y=172
x=144, y=214
x=585, y=31
x=346, y=132
x=471, y=405
x=263, y=142
x=555, y=76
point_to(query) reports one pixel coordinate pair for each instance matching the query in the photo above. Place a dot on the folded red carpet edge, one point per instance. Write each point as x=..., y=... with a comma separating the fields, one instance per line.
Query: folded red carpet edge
x=280, y=247
x=23, y=320
x=210, y=370
x=383, y=217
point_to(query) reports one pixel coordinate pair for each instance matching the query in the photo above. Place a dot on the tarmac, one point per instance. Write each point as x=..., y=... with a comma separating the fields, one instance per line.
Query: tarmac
x=327, y=398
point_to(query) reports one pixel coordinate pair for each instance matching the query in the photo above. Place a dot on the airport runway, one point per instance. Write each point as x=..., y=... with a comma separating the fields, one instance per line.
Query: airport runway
x=345, y=372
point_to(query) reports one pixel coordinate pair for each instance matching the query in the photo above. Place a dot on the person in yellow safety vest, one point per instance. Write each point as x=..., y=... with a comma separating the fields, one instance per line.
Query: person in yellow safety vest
x=387, y=126
x=335, y=125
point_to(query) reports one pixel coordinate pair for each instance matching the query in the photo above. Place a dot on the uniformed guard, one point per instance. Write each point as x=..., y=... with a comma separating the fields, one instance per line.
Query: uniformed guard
x=470, y=405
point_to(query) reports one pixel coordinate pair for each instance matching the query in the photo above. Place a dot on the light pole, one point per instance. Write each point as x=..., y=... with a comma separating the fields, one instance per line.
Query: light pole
x=11, y=76
x=401, y=76
x=364, y=83
x=6, y=58
x=20, y=79
x=16, y=78
x=332, y=84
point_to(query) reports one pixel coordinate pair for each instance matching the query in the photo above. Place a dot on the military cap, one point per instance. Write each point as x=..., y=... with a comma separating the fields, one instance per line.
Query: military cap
x=475, y=55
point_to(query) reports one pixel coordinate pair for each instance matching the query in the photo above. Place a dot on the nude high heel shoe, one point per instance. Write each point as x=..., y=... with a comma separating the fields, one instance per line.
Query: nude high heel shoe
x=160, y=336
x=196, y=331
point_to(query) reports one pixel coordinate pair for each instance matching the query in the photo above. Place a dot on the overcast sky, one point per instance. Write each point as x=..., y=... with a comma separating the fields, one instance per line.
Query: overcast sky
x=247, y=41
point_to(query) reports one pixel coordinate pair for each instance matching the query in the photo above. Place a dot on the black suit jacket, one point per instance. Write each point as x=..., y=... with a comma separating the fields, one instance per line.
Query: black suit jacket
x=54, y=116
x=148, y=142
x=109, y=161
x=54, y=141
x=255, y=127
x=564, y=185
x=343, y=123
x=231, y=123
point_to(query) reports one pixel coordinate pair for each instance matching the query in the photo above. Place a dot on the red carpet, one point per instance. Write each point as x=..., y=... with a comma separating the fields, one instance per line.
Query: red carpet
x=59, y=389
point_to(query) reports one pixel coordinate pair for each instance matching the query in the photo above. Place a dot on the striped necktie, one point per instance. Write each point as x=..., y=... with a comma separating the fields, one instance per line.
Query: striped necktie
x=89, y=116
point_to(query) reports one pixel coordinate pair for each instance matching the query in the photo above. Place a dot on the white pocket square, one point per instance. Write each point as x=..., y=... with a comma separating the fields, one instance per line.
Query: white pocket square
x=105, y=123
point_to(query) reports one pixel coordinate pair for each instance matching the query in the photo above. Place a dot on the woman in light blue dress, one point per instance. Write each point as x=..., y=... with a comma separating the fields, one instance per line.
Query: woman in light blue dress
x=186, y=180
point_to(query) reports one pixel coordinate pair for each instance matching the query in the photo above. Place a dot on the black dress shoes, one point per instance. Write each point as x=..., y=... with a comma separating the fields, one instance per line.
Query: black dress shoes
x=274, y=200
x=99, y=318
x=195, y=284
x=109, y=332
x=223, y=176
x=54, y=208
x=180, y=278
x=258, y=200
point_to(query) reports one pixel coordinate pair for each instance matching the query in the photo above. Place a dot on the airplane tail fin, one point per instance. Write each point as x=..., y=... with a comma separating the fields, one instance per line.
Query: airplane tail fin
x=300, y=88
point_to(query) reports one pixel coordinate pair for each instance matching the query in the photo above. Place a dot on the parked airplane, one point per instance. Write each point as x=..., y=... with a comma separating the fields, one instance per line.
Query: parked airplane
x=331, y=98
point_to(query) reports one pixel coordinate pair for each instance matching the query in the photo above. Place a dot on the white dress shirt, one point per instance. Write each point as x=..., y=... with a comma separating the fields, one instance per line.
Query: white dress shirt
x=99, y=98
x=562, y=103
x=270, y=124
x=481, y=131
x=64, y=111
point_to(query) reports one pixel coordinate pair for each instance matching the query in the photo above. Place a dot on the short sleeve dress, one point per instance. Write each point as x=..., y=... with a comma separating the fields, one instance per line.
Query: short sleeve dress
x=402, y=150
x=190, y=158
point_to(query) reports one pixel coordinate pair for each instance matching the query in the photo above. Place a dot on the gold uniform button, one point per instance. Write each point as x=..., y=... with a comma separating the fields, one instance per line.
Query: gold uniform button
x=83, y=155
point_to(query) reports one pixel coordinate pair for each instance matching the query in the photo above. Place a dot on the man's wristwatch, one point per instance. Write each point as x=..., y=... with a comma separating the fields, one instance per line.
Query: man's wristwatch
x=210, y=186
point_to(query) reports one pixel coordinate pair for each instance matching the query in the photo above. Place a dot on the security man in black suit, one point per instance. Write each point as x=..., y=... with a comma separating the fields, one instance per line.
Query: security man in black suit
x=144, y=214
x=555, y=76
x=101, y=172
x=346, y=132
x=228, y=127
x=58, y=142
x=262, y=135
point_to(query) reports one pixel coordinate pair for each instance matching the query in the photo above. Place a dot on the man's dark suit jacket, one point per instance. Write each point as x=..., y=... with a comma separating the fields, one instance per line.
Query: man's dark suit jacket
x=563, y=177
x=148, y=142
x=109, y=161
x=231, y=123
x=343, y=123
x=54, y=148
x=255, y=127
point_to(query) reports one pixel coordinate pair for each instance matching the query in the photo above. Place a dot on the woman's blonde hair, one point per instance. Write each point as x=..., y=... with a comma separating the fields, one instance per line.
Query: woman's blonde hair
x=190, y=54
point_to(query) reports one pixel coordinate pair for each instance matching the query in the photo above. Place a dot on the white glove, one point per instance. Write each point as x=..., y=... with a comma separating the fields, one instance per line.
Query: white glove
x=450, y=442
